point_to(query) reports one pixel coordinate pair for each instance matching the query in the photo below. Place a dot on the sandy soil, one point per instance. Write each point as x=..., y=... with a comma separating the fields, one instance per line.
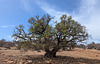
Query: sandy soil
x=77, y=56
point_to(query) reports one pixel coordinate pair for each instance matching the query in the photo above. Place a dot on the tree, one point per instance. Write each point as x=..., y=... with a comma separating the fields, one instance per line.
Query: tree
x=51, y=38
x=2, y=42
x=91, y=45
x=81, y=46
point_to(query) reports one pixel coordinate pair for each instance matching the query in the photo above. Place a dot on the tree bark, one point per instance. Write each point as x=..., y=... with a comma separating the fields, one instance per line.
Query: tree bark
x=52, y=53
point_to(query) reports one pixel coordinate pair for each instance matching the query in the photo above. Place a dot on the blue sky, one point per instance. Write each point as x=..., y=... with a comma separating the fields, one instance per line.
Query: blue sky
x=15, y=12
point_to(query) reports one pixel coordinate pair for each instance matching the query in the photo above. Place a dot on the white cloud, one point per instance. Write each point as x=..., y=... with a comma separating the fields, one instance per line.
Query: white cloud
x=26, y=5
x=7, y=26
x=88, y=14
x=29, y=6
x=51, y=10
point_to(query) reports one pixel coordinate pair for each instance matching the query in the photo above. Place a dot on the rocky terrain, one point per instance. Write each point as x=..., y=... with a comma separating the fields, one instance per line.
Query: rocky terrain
x=77, y=56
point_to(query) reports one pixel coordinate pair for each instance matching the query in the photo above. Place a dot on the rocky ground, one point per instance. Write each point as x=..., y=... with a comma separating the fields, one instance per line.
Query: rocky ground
x=77, y=56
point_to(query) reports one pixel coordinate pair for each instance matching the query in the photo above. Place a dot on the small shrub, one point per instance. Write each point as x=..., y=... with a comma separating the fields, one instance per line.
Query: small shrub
x=81, y=46
x=91, y=45
x=7, y=47
x=97, y=46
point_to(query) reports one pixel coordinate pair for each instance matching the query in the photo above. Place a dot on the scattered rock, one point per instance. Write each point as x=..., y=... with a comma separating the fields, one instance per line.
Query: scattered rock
x=5, y=61
x=48, y=62
x=96, y=55
x=10, y=62
x=30, y=61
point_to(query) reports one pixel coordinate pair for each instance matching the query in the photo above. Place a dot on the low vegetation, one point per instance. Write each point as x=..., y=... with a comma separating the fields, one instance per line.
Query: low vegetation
x=93, y=46
x=6, y=44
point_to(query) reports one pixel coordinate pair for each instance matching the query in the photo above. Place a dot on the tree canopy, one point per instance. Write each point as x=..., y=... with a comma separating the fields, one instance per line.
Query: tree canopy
x=51, y=39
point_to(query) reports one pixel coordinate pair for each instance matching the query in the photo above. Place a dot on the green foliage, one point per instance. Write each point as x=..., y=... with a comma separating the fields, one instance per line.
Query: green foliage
x=41, y=35
x=70, y=30
x=39, y=27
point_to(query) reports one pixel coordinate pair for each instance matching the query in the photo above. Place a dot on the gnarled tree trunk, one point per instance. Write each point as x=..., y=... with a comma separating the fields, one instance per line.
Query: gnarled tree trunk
x=51, y=53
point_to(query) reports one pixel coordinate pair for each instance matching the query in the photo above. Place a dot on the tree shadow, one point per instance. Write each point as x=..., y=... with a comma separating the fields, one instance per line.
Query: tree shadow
x=60, y=60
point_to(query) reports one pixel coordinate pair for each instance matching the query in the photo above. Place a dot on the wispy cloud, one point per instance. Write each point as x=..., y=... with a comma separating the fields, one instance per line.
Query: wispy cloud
x=7, y=26
x=50, y=9
x=25, y=5
x=88, y=14
x=28, y=6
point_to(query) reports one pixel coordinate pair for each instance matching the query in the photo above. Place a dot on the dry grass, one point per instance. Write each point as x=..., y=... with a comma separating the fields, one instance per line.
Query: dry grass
x=77, y=56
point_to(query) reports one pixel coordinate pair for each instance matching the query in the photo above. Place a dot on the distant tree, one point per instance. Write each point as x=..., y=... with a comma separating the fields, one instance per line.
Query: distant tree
x=94, y=46
x=7, y=46
x=51, y=38
x=91, y=45
x=71, y=45
x=81, y=46
x=97, y=46
x=2, y=42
